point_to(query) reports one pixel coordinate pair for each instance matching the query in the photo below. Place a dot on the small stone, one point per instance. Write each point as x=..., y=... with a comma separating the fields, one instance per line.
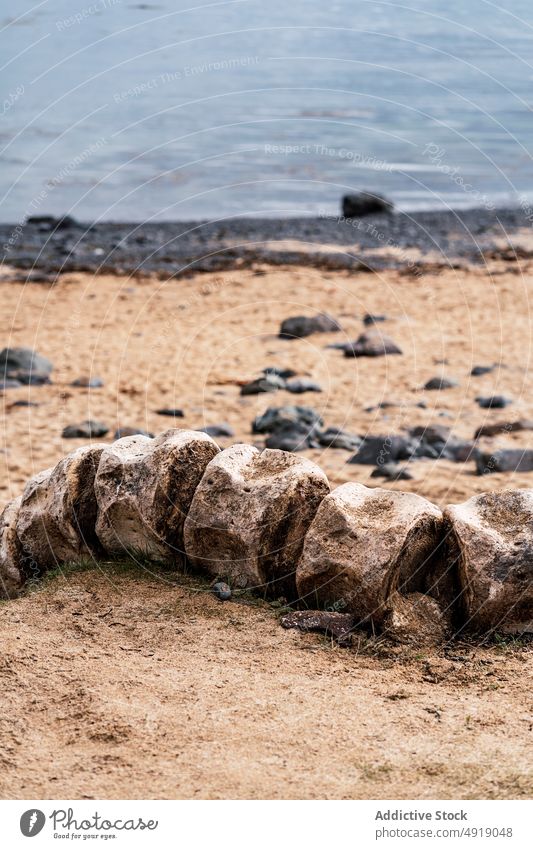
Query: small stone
x=301, y=326
x=370, y=319
x=23, y=360
x=371, y=344
x=174, y=412
x=217, y=430
x=121, y=432
x=9, y=383
x=86, y=430
x=493, y=402
x=30, y=378
x=365, y=203
x=378, y=450
x=87, y=382
x=292, y=437
x=275, y=418
x=440, y=383
x=332, y=624
x=222, y=591
x=477, y=371
x=22, y=403
x=284, y=373
x=334, y=437
x=392, y=472
x=505, y=460
x=301, y=385
x=268, y=383
x=503, y=427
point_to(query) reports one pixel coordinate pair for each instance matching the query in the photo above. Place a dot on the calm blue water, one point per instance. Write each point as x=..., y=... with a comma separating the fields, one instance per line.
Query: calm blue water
x=125, y=110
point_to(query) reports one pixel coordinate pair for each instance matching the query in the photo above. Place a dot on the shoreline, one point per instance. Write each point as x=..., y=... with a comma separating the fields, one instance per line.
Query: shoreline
x=403, y=241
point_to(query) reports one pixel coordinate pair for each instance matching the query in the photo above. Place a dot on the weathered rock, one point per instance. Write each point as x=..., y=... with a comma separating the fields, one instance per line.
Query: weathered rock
x=364, y=546
x=87, y=382
x=369, y=319
x=493, y=402
x=371, y=344
x=505, y=460
x=86, y=430
x=378, y=450
x=301, y=385
x=432, y=434
x=222, y=591
x=267, y=383
x=23, y=360
x=217, y=430
x=284, y=373
x=249, y=516
x=121, y=432
x=57, y=515
x=477, y=371
x=392, y=472
x=416, y=619
x=365, y=203
x=332, y=624
x=440, y=383
x=173, y=412
x=300, y=326
x=276, y=418
x=334, y=437
x=490, y=539
x=292, y=437
x=11, y=573
x=144, y=488
x=503, y=427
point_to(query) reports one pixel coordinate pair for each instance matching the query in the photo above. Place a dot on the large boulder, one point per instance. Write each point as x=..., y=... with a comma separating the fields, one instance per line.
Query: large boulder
x=144, y=488
x=490, y=541
x=249, y=517
x=365, y=546
x=11, y=574
x=57, y=515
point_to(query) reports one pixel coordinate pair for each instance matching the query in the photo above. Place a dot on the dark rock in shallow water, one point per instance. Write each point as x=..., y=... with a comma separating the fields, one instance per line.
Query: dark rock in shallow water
x=275, y=418
x=85, y=430
x=87, y=382
x=440, y=383
x=300, y=326
x=365, y=203
x=370, y=319
x=505, y=460
x=371, y=344
x=392, y=472
x=217, y=430
x=222, y=591
x=20, y=361
x=284, y=373
x=477, y=371
x=503, y=427
x=131, y=431
x=493, y=402
x=171, y=411
x=336, y=625
x=301, y=385
x=63, y=223
x=333, y=437
x=268, y=383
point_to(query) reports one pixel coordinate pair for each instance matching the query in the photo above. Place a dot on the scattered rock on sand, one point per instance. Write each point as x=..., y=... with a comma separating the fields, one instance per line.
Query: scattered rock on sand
x=493, y=402
x=369, y=319
x=348, y=563
x=504, y=460
x=490, y=539
x=144, y=488
x=365, y=203
x=267, y=383
x=301, y=385
x=300, y=326
x=249, y=516
x=284, y=373
x=121, y=432
x=503, y=427
x=57, y=515
x=477, y=371
x=16, y=362
x=86, y=430
x=417, y=619
x=440, y=383
x=332, y=624
x=371, y=344
x=9, y=383
x=334, y=437
x=275, y=418
x=87, y=382
x=292, y=437
x=217, y=430
x=11, y=575
x=392, y=472
x=222, y=591
x=378, y=450
x=173, y=412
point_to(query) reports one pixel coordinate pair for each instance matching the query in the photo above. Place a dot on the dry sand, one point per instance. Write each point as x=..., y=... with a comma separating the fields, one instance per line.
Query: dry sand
x=131, y=687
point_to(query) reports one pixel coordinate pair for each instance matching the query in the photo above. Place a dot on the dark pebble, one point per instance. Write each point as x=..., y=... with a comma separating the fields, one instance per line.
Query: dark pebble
x=477, y=371
x=496, y=402
x=88, y=382
x=222, y=591
x=217, y=430
x=301, y=385
x=170, y=411
x=300, y=326
x=392, y=472
x=440, y=383
x=85, y=430
x=131, y=431
x=365, y=203
x=267, y=383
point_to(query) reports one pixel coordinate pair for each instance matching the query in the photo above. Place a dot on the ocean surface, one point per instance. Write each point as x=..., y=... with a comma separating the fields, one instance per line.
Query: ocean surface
x=186, y=110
